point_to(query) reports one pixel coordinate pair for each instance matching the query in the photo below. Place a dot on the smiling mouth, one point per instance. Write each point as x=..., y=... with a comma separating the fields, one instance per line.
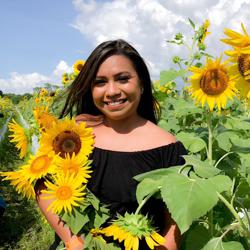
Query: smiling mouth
x=115, y=102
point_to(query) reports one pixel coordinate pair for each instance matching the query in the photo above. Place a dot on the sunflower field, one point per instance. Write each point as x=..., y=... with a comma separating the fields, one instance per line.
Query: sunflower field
x=208, y=196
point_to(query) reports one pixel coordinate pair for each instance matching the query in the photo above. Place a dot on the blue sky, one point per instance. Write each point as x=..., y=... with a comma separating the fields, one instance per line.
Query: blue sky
x=35, y=35
x=40, y=40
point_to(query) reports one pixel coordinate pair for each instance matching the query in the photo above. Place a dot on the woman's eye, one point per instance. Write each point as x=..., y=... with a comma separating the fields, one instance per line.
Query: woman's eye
x=99, y=82
x=123, y=79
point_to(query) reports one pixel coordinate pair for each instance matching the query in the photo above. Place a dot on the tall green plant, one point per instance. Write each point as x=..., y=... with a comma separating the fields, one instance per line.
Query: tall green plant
x=208, y=197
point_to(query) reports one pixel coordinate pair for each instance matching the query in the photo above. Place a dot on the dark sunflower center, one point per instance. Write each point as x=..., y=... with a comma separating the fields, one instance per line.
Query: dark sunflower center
x=79, y=66
x=214, y=81
x=244, y=65
x=67, y=142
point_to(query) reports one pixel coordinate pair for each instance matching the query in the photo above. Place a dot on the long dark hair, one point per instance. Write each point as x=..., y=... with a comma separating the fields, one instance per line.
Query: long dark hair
x=80, y=97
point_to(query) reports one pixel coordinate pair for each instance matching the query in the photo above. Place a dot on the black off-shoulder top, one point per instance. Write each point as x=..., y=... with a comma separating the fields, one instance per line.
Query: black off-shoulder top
x=113, y=171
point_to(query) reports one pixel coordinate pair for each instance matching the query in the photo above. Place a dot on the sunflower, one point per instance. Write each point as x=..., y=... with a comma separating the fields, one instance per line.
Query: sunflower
x=130, y=241
x=78, y=66
x=154, y=239
x=67, y=137
x=236, y=39
x=43, y=117
x=38, y=167
x=204, y=31
x=19, y=180
x=74, y=165
x=66, y=193
x=240, y=69
x=212, y=84
x=19, y=137
x=131, y=228
x=5, y=103
x=43, y=92
x=65, y=79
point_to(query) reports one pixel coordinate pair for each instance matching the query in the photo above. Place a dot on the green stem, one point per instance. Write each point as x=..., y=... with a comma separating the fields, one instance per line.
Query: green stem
x=210, y=139
x=211, y=224
x=228, y=230
x=232, y=191
x=145, y=200
x=222, y=157
x=232, y=210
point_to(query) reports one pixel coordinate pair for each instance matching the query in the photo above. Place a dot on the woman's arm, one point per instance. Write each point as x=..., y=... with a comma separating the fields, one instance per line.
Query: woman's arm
x=172, y=234
x=71, y=241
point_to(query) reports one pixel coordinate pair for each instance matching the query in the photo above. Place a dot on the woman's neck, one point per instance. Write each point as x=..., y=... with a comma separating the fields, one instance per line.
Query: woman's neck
x=125, y=126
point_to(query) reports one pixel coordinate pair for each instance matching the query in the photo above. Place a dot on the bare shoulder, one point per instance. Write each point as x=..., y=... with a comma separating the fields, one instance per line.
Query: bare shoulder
x=161, y=136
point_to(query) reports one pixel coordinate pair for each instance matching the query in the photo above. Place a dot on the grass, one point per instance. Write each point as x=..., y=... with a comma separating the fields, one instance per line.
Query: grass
x=22, y=225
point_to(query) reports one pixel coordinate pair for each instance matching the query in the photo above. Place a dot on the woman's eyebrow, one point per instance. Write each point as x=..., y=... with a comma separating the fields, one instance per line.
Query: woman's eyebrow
x=100, y=77
x=116, y=75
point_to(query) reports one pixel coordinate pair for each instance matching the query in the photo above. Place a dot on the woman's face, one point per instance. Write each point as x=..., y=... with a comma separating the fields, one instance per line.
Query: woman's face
x=116, y=90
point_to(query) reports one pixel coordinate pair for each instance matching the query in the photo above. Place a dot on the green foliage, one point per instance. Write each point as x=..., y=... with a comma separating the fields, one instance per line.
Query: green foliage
x=98, y=243
x=192, y=142
x=17, y=98
x=9, y=155
x=170, y=75
x=89, y=215
x=183, y=207
x=204, y=207
x=22, y=225
x=218, y=244
x=208, y=196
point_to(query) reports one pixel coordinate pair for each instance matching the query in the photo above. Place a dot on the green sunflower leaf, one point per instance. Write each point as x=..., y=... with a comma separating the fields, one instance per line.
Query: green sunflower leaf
x=191, y=142
x=201, y=168
x=224, y=141
x=98, y=243
x=75, y=220
x=241, y=145
x=196, y=238
x=157, y=174
x=93, y=200
x=188, y=199
x=218, y=244
x=170, y=75
x=237, y=123
x=192, y=23
x=146, y=187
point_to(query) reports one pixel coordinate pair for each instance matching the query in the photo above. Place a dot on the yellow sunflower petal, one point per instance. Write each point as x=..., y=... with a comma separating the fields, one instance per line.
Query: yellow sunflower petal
x=18, y=137
x=67, y=137
x=66, y=193
x=150, y=242
x=135, y=244
x=78, y=65
x=212, y=84
x=158, y=238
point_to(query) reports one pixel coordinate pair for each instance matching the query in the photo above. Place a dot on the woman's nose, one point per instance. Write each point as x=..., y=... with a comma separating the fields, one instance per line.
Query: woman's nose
x=112, y=89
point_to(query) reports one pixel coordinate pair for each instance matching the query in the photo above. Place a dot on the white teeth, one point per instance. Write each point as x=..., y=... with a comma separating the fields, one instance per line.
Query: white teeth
x=114, y=103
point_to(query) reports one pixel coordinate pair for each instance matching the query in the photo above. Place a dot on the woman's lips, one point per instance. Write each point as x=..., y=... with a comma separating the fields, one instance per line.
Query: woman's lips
x=116, y=104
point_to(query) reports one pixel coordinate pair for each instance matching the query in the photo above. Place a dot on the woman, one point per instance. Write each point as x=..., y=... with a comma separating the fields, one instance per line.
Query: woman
x=113, y=94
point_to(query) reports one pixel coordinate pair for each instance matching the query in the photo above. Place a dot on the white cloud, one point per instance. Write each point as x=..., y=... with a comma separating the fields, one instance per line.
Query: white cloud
x=22, y=83
x=147, y=24
x=61, y=68
x=25, y=83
